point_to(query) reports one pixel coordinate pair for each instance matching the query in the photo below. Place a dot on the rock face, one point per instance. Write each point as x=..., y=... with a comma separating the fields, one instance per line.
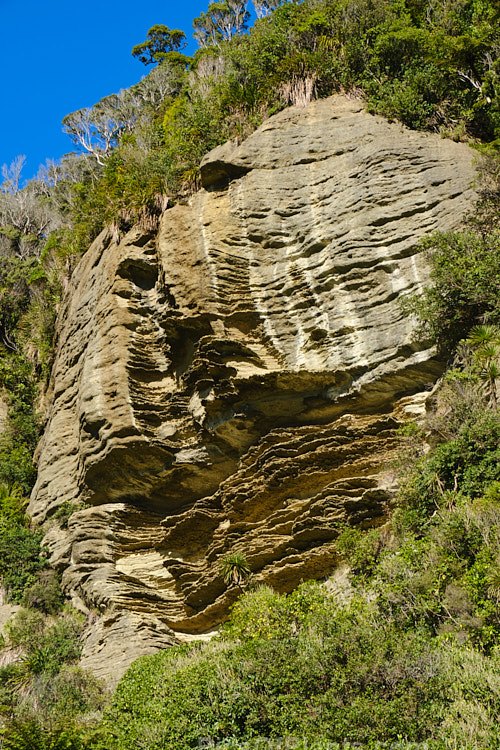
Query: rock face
x=235, y=381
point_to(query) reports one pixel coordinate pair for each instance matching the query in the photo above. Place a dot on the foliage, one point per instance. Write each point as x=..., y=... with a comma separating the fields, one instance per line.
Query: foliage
x=414, y=652
x=45, y=594
x=43, y=694
x=66, y=510
x=359, y=548
x=28, y=733
x=345, y=673
x=465, y=275
x=432, y=70
x=411, y=650
x=160, y=43
x=221, y=22
x=47, y=644
x=12, y=505
x=96, y=129
x=21, y=559
x=234, y=568
x=485, y=343
x=14, y=295
x=267, y=615
x=72, y=691
x=319, y=682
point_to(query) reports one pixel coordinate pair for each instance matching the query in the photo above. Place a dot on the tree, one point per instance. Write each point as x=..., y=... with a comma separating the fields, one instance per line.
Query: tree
x=161, y=42
x=12, y=175
x=265, y=7
x=165, y=80
x=221, y=22
x=97, y=129
x=493, y=579
x=26, y=217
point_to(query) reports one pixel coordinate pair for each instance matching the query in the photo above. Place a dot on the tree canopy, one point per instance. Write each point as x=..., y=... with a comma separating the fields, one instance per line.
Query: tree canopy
x=161, y=41
x=221, y=22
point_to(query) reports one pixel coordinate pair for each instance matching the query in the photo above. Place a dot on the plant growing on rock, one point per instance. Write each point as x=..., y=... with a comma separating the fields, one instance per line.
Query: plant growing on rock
x=235, y=569
x=485, y=343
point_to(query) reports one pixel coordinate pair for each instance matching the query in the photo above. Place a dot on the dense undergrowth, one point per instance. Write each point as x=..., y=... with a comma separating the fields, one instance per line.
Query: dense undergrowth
x=409, y=651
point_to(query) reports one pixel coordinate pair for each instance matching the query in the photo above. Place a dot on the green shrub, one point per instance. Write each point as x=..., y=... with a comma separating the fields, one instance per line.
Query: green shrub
x=12, y=505
x=25, y=628
x=21, y=559
x=263, y=614
x=72, y=692
x=19, y=438
x=343, y=674
x=45, y=594
x=359, y=548
x=29, y=734
x=47, y=643
x=465, y=275
x=66, y=510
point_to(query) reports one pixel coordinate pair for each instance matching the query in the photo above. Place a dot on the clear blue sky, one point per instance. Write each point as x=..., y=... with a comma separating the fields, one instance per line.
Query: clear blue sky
x=57, y=56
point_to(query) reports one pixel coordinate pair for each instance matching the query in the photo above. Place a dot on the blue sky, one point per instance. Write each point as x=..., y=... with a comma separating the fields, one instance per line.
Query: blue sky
x=57, y=56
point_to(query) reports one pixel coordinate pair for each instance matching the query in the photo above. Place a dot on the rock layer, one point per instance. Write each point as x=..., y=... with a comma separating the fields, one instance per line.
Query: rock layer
x=230, y=382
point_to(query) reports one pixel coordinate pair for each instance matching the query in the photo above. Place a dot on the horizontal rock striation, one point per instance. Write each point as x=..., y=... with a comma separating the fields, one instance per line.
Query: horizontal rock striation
x=229, y=382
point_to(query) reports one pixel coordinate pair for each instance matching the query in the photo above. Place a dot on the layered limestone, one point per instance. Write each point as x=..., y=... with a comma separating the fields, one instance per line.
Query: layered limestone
x=235, y=381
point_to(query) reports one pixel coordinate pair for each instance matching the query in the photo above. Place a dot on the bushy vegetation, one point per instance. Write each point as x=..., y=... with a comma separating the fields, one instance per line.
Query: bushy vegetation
x=42, y=691
x=44, y=696
x=22, y=558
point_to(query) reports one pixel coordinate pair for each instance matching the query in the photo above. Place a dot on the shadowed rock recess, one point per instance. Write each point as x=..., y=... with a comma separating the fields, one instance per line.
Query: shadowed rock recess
x=235, y=381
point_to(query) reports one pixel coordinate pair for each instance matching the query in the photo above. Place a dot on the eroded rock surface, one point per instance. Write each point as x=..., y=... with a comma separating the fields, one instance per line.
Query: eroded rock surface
x=234, y=382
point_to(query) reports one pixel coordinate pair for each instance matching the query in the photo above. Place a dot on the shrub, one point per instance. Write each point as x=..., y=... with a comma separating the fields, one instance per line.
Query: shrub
x=289, y=665
x=234, y=568
x=66, y=510
x=71, y=692
x=359, y=548
x=28, y=733
x=45, y=594
x=465, y=275
x=47, y=644
x=21, y=559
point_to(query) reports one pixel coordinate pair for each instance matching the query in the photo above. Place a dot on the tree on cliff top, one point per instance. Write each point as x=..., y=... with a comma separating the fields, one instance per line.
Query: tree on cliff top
x=160, y=44
x=221, y=22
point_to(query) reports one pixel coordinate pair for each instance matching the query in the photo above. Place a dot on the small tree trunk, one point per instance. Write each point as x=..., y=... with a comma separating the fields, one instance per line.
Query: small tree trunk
x=493, y=391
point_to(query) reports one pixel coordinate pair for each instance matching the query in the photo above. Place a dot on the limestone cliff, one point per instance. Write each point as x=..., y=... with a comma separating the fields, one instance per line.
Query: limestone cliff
x=235, y=381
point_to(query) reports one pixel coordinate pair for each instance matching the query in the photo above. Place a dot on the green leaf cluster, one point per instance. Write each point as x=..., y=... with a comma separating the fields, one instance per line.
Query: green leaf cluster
x=43, y=694
x=465, y=276
x=160, y=44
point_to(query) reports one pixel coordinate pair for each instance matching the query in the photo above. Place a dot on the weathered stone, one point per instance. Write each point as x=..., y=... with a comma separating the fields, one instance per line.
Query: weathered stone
x=112, y=642
x=231, y=382
x=7, y=611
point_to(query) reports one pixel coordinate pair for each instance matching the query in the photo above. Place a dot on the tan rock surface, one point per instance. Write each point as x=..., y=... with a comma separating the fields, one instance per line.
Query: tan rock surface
x=229, y=383
x=7, y=611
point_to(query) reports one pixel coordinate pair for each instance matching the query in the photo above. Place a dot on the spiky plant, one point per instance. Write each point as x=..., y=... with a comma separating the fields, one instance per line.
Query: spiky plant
x=484, y=340
x=235, y=569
